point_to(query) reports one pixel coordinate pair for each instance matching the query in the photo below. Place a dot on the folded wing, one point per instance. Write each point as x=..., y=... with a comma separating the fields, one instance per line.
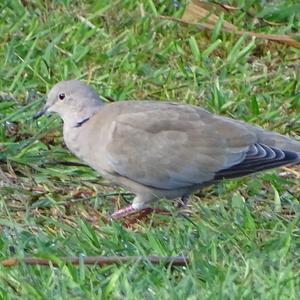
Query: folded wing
x=174, y=146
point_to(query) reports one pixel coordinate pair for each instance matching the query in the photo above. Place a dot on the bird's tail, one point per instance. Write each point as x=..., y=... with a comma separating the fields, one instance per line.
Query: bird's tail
x=276, y=140
x=258, y=158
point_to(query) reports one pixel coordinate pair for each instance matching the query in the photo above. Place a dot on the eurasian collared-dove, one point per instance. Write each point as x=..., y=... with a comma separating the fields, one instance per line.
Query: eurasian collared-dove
x=162, y=150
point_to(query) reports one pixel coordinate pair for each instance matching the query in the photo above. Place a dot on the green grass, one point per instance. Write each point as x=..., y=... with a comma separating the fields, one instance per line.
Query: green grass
x=243, y=236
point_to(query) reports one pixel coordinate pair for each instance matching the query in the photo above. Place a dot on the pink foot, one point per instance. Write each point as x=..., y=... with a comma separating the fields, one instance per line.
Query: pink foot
x=129, y=210
x=123, y=212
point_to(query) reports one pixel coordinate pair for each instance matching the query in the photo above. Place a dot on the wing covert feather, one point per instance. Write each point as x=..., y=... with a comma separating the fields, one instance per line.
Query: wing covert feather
x=176, y=147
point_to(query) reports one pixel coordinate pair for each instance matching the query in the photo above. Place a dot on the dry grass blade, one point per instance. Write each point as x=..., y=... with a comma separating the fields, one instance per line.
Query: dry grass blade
x=295, y=172
x=225, y=7
x=99, y=260
x=198, y=11
x=284, y=39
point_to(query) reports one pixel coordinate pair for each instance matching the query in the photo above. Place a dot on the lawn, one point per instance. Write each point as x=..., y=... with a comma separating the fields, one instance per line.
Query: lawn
x=242, y=236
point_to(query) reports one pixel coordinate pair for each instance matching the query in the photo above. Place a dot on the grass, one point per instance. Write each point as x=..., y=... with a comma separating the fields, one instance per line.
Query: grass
x=243, y=235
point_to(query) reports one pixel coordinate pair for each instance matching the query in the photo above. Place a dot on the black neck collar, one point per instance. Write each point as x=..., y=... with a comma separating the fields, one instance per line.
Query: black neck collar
x=79, y=124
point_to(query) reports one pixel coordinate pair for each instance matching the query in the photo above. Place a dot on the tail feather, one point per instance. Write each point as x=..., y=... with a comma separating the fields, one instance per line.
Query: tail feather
x=274, y=139
x=258, y=158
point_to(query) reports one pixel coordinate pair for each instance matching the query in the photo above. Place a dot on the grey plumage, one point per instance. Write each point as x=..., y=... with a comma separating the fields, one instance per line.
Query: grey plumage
x=162, y=150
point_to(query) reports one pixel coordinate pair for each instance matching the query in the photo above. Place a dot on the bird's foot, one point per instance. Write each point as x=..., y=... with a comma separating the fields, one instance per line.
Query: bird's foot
x=126, y=212
x=183, y=202
x=142, y=216
x=123, y=212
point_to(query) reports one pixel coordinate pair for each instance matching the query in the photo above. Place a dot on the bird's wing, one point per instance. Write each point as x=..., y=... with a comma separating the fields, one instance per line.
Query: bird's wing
x=172, y=146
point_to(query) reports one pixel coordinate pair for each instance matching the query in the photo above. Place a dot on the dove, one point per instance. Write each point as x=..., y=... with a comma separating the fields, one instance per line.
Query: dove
x=162, y=149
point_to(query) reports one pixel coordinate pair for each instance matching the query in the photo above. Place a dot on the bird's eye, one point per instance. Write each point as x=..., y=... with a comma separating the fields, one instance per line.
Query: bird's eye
x=61, y=96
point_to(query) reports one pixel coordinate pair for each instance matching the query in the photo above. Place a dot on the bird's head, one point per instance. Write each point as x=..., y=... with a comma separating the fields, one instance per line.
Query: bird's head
x=73, y=100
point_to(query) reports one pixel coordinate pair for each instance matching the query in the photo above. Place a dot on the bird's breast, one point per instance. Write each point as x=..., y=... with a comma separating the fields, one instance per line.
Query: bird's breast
x=88, y=146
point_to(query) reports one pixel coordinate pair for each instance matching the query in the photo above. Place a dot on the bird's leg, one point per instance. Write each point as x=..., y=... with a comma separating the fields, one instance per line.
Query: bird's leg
x=183, y=202
x=123, y=212
x=140, y=205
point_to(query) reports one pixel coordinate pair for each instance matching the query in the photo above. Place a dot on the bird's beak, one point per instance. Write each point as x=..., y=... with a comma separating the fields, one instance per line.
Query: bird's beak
x=40, y=113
